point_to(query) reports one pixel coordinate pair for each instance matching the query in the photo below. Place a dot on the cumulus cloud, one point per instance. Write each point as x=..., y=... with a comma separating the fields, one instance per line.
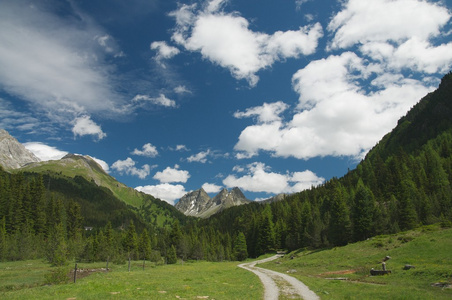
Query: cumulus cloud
x=225, y=39
x=147, y=150
x=45, y=152
x=348, y=101
x=172, y=175
x=268, y=112
x=211, y=188
x=361, y=22
x=165, y=191
x=161, y=100
x=164, y=51
x=85, y=126
x=199, y=157
x=259, y=178
x=128, y=167
x=399, y=34
x=337, y=116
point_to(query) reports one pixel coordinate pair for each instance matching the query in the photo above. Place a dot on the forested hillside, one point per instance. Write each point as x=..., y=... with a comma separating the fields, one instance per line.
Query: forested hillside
x=404, y=181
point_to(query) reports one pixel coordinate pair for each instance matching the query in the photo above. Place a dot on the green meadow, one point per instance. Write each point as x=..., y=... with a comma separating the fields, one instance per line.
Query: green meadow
x=337, y=273
x=190, y=280
x=344, y=272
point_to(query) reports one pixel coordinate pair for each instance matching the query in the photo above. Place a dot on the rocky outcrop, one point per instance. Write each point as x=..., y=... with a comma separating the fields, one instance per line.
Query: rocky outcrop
x=199, y=204
x=14, y=155
x=193, y=203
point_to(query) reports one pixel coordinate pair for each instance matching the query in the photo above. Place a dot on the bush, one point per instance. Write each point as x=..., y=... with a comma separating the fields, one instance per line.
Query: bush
x=57, y=276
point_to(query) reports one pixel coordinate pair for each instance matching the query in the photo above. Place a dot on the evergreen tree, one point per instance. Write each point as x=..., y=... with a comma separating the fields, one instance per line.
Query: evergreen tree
x=3, y=237
x=240, y=249
x=56, y=246
x=130, y=241
x=172, y=255
x=363, y=212
x=339, y=225
x=144, y=245
x=266, y=232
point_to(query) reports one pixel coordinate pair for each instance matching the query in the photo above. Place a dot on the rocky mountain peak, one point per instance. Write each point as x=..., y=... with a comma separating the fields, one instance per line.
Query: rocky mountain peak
x=199, y=204
x=14, y=155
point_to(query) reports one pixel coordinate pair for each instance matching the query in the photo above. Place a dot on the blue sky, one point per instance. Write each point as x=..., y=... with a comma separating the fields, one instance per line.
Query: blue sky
x=171, y=96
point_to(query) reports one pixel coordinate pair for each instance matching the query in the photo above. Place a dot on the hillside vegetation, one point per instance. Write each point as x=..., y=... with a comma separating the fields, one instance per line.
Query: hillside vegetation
x=344, y=272
x=405, y=181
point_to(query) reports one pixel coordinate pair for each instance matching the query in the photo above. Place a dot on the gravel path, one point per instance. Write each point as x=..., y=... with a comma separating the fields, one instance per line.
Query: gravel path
x=276, y=283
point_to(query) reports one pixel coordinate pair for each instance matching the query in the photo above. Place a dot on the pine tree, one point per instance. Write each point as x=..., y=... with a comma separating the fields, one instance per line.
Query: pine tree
x=340, y=225
x=240, y=249
x=172, y=255
x=144, y=245
x=130, y=241
x=363, y=212
x=56, y=246
x=3, y=239
x=266, y=233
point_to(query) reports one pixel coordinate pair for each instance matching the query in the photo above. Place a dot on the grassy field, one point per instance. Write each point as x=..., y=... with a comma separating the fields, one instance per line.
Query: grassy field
x=344, y=272
x=197, y=280
x=338, y=273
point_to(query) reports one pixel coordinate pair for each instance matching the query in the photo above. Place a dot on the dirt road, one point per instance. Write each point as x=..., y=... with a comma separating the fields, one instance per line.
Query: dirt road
x=276, y=283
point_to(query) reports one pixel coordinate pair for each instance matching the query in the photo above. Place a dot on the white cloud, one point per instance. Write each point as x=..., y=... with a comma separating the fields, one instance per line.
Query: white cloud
x=161, y=100
x=299, y=3
x=225, y=39
x=172, y=175
x=45, y=152
x=164, y=51
x=260, y=179
x=199, y=157
x=101, y=163
x=305, y=180
x=128, y=167
x=338, y=117
x=181, y=148
x=398, y=34
x=147, y=150
x=182, y=89
x=165, y=191
x=59, y=67
x=211, y=188
x=85, y=126
x=268, y=112
x=361, y=22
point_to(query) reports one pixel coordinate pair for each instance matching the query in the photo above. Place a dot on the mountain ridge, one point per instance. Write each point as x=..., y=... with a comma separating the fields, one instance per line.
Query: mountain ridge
x=14, y=155
x=199, y=204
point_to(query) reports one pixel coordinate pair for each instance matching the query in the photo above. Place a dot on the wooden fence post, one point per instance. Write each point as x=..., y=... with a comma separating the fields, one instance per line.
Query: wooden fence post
x=129, y=263
x=75, y=272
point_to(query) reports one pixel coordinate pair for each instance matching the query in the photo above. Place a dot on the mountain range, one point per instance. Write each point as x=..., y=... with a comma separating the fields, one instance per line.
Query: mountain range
x=14, y=156
x=199, y=204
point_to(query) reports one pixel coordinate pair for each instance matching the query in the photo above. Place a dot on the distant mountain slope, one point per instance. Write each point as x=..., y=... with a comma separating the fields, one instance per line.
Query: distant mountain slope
x=404, y=181
x=425, y=121
x=199, y=204
x=13, y=154
x=73, y=165
x=71, y=177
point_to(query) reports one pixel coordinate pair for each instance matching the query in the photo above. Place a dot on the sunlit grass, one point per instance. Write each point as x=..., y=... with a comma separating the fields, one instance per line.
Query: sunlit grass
x=428, y=249
x=190, y=281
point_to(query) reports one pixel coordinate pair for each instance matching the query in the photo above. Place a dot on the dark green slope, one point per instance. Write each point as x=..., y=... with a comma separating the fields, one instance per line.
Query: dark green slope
x=429, y=118
x=73, y=175
x=404, y=182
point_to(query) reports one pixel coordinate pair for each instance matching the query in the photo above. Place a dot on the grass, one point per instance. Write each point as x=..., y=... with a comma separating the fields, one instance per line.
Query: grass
x=429, y=249
x=192, y=280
